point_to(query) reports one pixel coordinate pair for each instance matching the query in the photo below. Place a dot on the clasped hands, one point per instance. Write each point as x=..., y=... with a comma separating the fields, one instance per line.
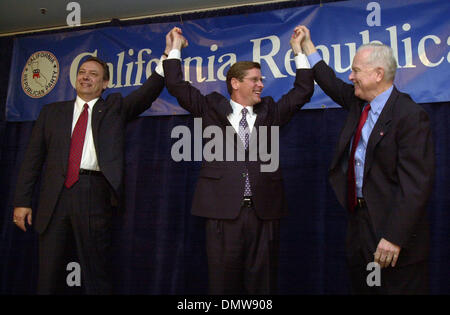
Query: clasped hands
x=175, y=40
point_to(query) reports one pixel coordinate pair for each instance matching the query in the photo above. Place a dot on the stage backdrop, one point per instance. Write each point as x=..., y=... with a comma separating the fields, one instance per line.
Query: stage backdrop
x=159, y=246
x=43, y=68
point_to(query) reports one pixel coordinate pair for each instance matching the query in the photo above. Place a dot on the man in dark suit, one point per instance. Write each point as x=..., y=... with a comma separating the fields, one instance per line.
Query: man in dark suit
x=241, y=203
x=382, y=171
x=81, y=142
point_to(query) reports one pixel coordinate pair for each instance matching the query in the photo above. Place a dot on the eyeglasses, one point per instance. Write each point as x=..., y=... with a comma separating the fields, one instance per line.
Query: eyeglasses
x=254, y=80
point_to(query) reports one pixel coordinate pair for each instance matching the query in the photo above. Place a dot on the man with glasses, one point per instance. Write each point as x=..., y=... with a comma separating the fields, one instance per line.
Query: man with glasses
x=242, y=205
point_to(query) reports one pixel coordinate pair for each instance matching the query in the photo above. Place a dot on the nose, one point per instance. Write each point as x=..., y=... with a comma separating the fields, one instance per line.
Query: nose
x=261, y=84
x=351, y=76
x=82, y=76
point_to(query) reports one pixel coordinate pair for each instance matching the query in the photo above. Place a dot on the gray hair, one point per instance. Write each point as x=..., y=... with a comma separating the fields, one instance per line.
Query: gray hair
x=381, y=56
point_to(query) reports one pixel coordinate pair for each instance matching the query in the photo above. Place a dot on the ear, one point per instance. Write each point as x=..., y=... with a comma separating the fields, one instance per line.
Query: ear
x=380, y=74
x=235, y=83
x=105, y=84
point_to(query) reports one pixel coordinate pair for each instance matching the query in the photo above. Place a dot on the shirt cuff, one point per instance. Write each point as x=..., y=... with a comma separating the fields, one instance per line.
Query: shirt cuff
x=159, y=68
x=314, y=58
x=301, y=62
x=174, y=54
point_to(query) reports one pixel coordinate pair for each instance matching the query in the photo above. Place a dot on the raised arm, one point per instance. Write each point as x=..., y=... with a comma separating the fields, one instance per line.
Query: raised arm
x=141, y=99
x=303, y=88
x=339, y=91
x=187, y=96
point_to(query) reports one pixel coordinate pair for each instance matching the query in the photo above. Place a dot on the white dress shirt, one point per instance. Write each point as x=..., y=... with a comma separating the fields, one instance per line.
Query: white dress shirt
x=89, y=156
x=235, y=117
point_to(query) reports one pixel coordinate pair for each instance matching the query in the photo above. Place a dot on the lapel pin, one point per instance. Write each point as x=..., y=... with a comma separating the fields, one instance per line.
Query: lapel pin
x=381, y=133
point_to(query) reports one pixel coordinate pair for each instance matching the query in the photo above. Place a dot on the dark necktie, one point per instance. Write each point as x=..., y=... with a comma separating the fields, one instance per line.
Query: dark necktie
x=76, y=148
x=244, y=135
x=351, y=193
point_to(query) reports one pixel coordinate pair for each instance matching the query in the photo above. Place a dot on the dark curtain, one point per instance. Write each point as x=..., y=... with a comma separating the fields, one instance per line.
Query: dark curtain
x=159, y=246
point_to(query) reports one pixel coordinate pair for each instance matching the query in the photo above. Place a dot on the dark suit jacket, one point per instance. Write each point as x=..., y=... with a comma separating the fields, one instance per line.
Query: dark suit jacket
x=50, y=143
x=399, y=165
x=220, y=185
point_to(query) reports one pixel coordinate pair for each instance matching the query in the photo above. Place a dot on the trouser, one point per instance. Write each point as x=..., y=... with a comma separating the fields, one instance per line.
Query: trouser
x=243, y=254
x=82, y=217
x=361, y=245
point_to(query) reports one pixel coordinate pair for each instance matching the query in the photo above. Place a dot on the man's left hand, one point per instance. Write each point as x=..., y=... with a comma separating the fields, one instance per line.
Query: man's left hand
x=296, y=39
x=386, y=253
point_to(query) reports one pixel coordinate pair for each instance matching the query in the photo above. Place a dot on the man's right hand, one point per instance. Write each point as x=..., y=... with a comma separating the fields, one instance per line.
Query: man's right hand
x=175, y=39
x=307, y=44
x=20, y=215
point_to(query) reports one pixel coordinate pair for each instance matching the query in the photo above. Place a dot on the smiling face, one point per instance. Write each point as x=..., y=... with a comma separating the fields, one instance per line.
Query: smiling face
x=247, y=91
x=90, y=81
x=364, y=76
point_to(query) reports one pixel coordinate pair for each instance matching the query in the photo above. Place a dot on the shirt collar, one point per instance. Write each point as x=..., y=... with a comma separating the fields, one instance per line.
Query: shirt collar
x=237, y=108
x=79, y=103
x=378, y=102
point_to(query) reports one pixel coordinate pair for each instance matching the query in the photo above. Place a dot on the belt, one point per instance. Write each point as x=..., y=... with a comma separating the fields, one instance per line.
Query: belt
x=361, y=203
x=90, y=172
x=247, y=202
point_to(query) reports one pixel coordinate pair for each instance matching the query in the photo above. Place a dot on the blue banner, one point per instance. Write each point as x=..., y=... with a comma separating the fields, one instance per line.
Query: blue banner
x=43, y=67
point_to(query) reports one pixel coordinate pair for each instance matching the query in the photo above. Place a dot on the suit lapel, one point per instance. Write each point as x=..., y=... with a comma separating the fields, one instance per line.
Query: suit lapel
x=380, y=130
x=98, y=111
x=223, y=109
x=66, y=119
x=261, y=117
x=347, y=134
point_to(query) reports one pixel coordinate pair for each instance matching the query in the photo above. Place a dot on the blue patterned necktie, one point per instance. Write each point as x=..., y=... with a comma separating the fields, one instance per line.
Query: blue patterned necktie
x=244, y=132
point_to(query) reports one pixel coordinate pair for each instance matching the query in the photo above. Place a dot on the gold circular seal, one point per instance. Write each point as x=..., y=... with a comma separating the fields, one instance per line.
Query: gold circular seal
x=40, y=74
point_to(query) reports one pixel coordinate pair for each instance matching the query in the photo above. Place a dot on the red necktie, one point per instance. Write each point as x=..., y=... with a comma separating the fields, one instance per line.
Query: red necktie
x=351, y=193
x=76, y=148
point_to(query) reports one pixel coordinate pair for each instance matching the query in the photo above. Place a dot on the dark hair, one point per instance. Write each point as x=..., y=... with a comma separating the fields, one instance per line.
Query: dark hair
x=102, y=63
x=239, y=70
